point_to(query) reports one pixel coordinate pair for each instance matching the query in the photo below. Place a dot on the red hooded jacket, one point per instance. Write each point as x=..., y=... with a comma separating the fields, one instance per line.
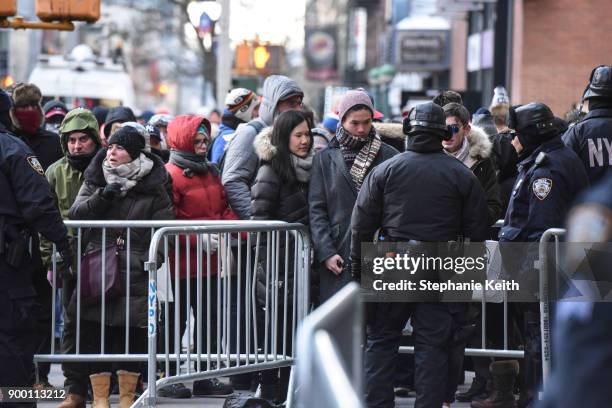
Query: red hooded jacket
x=201, y=197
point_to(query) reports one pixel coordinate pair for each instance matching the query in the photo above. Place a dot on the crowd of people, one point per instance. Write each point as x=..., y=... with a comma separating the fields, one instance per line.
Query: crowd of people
x=441, y=174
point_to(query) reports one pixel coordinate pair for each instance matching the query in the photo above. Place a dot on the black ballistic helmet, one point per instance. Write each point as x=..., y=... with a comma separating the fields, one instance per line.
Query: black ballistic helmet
x=600, y=84
x=427, y=116
x=535, y=118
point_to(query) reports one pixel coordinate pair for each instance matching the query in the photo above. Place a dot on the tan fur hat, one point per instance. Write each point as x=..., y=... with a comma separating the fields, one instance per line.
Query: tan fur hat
x=26, y=95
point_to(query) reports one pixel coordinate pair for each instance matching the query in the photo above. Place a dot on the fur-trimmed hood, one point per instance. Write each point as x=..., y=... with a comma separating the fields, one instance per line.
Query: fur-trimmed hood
x=390, y=130
x=264, y=148
x=480, y=145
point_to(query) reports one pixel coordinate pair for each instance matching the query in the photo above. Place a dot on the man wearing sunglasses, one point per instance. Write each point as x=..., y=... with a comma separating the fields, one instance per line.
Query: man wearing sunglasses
x=471, y=146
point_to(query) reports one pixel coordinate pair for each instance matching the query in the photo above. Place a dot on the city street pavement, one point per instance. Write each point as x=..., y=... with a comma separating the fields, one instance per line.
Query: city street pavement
x=56, y=378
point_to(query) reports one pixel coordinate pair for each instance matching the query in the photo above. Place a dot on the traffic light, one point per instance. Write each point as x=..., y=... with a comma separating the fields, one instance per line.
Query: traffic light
x=7, y=81
x=8, y=8
x=255, y=59
x=72, y=10
x=261, y=56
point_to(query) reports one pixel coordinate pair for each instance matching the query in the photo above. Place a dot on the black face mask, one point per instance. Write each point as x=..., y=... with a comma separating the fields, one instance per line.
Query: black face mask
x=81, y=161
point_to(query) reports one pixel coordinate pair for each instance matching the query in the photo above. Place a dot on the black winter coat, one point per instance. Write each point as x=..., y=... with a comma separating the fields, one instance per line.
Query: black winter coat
x=508, y=162
x=480, y=161
x=275, y=199
x=45, y=145
x=421, y=194
x=148, y=200
x=332, y=195
x=591, y=140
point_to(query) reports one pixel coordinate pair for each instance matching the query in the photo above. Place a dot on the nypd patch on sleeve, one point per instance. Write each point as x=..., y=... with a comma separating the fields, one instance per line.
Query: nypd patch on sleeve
x=542, y=187
x=35, y=164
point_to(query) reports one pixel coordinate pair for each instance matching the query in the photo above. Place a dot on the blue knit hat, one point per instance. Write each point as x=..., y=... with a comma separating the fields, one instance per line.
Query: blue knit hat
x=330, y=122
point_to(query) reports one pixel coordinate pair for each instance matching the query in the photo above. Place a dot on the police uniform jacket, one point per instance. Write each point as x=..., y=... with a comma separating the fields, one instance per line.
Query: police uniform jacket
x=422, y=194
x=543, y=192
x=27, y=202
x=591, y=140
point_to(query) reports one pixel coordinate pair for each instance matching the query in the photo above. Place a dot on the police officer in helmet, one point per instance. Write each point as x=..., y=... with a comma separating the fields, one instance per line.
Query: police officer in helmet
x=427, y=196
x=27, y=208
x=591, y=138
x=550, y=177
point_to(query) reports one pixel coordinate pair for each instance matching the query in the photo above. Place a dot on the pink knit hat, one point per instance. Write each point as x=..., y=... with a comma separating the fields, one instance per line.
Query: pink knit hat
x=352, y=99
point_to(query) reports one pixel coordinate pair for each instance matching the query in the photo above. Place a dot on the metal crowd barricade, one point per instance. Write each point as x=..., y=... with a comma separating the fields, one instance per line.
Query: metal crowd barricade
x=257, y=238
x=328, y=369
x=102, y=226
x=543, y=264
x=263, y=265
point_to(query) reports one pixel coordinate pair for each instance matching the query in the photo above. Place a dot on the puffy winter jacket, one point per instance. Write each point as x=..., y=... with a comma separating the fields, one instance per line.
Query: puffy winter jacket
x=200, y=197
x=271, y=198
x=275, y=199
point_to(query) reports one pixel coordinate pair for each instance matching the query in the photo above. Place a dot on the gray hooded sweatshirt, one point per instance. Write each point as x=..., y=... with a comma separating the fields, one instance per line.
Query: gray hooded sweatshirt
x=240, y=166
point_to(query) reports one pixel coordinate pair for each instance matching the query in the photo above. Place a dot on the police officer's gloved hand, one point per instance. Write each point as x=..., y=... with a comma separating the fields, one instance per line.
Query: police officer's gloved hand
x=111, y=191
x=64, y=261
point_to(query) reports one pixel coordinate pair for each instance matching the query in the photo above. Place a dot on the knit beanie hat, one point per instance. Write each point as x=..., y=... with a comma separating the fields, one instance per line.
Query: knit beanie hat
x=130, y=139
x=143, y=132
x=241, y=102
x=500, y=96
x=352, y=99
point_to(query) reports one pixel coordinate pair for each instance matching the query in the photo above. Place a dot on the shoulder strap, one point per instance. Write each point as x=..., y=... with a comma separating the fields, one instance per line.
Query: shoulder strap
x=255, y=124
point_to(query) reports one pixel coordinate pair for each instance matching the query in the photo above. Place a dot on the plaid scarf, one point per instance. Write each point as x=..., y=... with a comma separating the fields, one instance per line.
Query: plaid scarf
x=358, y=153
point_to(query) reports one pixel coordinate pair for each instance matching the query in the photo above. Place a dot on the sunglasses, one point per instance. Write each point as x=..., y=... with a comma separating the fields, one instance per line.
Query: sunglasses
x=454, y=129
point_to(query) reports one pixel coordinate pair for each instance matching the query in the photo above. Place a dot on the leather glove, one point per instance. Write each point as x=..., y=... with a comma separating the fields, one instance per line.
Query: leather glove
x=111, y=191
x=65, y=258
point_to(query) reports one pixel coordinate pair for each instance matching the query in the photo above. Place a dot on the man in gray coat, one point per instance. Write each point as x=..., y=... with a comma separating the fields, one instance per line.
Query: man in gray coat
x=336, y=177
x=280, y=94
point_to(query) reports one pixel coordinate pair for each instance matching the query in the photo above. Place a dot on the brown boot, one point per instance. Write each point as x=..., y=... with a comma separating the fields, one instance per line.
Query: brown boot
x=100, y=384
x=72, y=401
x=127, y=388
x=504, y=374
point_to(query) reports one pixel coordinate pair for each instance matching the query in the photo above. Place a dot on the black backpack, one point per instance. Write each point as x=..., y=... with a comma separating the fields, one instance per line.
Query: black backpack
x=255, y=124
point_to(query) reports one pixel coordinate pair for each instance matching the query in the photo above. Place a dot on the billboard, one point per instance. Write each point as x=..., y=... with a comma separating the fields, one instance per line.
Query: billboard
x=321, y=53
x=421, y=50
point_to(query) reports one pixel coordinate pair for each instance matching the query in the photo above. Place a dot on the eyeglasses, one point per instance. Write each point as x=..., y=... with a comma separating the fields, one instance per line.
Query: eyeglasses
x=293, y=102
x=199, y=142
